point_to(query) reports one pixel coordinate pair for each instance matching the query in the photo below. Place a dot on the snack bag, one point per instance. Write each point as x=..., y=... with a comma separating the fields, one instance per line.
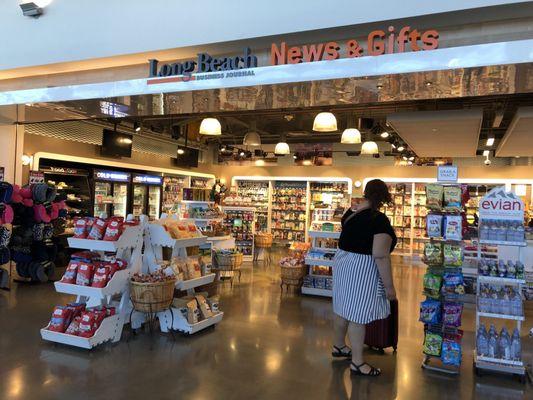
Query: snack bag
x=434, y=225
x=85, y=274
x=192, y=312
x=432, y=285
x=193, y=269
x=97, y=229
x=99, y=314
x=204, y=307
x=432, y=344
x=451, y=353
x=452, y=314
x=86, y=326
x=433, y=253
x=74, y=326
x=85, y=255
x=110, y=311
x=453, y=255
x=76, y=309
x=213, y=303
x=452, y=197
x=434, y=194
x=80, y=228
x=430, y=312
x=60, y=319
x=453, y=284
x=453, y=227
x=70, y=273
x=113, y=229
x=101, y=277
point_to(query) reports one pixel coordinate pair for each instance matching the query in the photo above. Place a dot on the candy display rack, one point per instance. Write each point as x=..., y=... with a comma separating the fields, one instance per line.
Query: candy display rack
x=256, y=194
x=240, y=223
x=127, y=247
x=156, y=237
x=290, y=204
x=501, y=215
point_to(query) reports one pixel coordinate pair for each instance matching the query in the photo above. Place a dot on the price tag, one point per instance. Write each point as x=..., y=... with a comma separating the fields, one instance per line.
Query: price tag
x=36, y=177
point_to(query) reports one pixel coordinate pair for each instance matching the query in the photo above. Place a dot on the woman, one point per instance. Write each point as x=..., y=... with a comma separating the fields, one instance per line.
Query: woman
x=362, y=278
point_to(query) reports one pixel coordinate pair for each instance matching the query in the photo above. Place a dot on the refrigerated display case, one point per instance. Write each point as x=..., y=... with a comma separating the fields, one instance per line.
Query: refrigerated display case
x=147, y=195
x=72, y=184
x=111, y=193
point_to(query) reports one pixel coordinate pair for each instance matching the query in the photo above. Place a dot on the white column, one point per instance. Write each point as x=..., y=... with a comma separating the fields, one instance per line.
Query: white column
x=11, y=142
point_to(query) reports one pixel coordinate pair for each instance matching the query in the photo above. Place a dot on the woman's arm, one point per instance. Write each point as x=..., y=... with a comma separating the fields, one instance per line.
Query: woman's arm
x=381, y=253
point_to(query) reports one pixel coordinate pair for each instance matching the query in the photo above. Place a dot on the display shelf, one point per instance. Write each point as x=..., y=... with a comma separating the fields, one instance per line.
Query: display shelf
x=218, y=238
x=317, y=292
x=174, y=320
x=109, y=330
x=116, y=284
x=501, y=316
x=500, y=281
x=202, y=220
x=194, y=283
x=197, y=202
x=318, y=262
x=499, y=361
x=503, y=243
x=323, y=234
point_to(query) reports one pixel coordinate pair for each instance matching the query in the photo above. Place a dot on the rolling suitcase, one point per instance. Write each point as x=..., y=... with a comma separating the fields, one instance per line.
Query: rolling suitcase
x=383, y=333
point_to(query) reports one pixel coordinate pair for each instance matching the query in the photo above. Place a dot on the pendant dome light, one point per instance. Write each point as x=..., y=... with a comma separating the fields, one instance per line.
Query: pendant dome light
x=325, y=122
x=282, y=148
x=252, y=138
x=210, y=127
x=369, y=148
x=351, y=136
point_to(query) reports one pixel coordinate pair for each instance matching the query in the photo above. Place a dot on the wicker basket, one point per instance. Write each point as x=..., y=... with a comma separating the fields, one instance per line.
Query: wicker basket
x=263, y=240
x=152, y=297
x=292, y=274
x=228, y=262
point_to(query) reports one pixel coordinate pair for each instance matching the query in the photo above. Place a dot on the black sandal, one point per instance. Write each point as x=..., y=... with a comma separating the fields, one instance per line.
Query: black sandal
x=357, y=371
x=338, y=353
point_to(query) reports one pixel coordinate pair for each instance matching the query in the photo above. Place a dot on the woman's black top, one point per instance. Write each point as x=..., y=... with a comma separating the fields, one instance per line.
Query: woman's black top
x=358, y=232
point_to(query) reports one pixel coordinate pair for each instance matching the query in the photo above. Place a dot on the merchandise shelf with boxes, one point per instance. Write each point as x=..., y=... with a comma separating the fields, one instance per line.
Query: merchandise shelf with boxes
x=168, y=232
x=102, y=302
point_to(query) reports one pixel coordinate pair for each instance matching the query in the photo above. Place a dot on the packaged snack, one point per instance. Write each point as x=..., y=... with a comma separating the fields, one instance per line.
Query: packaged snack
x=60, y=319
x=85, y=255
x=434, y=225
x=85, y=274
x=433, y=253
x=99, y=314
x=193, y=269
x=97, y=229
x=76, y=308
x=453, y=255
x=452, y=314
x=432, y=344
x=87, y=324
x=204, y=307
x=110, y=311
x=451, y=353
x=453, y=227
x=432, y=284
x=430, y=311
x=192, y=312
x=452, y=197
x=101, y=277
x=74, y=326
x=70, y=273
x=453, y=284
x=213, y=303
x=80, y=228
x=434, y=194
x=113, y=229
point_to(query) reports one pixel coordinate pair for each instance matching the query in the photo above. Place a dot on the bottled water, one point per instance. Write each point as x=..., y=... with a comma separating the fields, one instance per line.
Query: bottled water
x=516, y=348
x=482, y=341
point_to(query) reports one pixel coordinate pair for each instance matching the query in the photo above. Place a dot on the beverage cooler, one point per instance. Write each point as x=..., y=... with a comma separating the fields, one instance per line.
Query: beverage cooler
x=111, y=189
x=147, y=195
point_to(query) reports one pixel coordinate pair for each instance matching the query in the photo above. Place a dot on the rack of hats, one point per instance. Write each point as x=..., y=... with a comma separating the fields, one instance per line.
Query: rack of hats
x=443, y=283
x=196, y=311
x=500, y=284
x=98, y=275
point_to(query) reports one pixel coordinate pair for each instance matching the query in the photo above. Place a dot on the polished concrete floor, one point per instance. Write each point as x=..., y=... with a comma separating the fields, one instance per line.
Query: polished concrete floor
x=269, y=346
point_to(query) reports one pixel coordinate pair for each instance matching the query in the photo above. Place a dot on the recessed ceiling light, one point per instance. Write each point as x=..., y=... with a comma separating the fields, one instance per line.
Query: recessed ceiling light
x=379, y=86
x=404, y=158
x=411, y=158
x=384, y=135
x=428, y=83
x=434, y=129
x=401, y=148
x=516, y=156
x=486, y=153
x=490, y=141
x=181, y=151
x=242, y=153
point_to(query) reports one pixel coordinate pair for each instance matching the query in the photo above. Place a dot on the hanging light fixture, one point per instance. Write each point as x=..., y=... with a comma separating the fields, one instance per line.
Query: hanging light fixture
x=282, y=148
x=325, y=122
x=351, y=136
x=369, y=147
x=210, y=127
x=252, y=138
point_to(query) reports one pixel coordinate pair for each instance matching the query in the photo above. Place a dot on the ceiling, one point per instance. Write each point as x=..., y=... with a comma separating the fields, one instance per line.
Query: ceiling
x=518, y=140
x=439, y=133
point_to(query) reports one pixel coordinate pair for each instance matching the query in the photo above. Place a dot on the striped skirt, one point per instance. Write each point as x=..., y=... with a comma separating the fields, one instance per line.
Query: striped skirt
x=358, y=291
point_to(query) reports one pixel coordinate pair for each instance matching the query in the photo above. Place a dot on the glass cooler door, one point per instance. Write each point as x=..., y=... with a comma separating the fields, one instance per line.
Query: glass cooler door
x=139, y=200
x=102, y=194
x=154, y=201
x=120, y=199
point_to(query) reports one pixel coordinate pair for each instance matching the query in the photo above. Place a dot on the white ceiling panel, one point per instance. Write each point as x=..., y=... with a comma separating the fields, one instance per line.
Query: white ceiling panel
x=518, y=140
x=452, y=133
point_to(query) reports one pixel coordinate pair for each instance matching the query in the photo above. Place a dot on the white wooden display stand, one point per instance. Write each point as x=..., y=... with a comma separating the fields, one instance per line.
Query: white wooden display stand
x=498, y=204
x=311, y=262
x=128, y=247
x=155, y=238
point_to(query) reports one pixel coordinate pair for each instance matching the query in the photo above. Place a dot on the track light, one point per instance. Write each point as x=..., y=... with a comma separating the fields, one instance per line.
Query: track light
x=181, y=151
x=242, y=153
x=384, y=134
x=136, y=127
x=412, y=158
x=490, y=141
x=401, y=148
x=31, y=10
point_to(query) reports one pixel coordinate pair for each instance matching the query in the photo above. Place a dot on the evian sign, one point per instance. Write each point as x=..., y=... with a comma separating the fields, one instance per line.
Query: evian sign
x=500, y=204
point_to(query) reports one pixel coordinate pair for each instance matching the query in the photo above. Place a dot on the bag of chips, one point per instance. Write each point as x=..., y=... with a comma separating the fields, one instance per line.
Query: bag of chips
x=453, y=227
x=433, y=253
x=192, y=312
x=213, y=303
x=430, y=311
x=76, y=308
x=113, y=229
x=453, y=255
x=97, y=230
x=85, y=274
x=110, y=311
x=87, y=324
x=74, y=326
x=60, y=319
x=453, y=284
x=434, y=225
x=452, y=197
x=434, y=194
x=452, y=314
x=451, y=353
x=432, y=344
x=70, y=273
x=101, y=277
x=80, y=228
x=432, y=285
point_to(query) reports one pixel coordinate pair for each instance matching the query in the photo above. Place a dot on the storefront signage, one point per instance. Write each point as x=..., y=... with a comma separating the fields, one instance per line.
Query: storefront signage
x=66, y=171
x=447, y=173
x=36, y=177
x=499, y=204
x=205, y=63
x=113, y=176
x=148, y=179
x=378, y=42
